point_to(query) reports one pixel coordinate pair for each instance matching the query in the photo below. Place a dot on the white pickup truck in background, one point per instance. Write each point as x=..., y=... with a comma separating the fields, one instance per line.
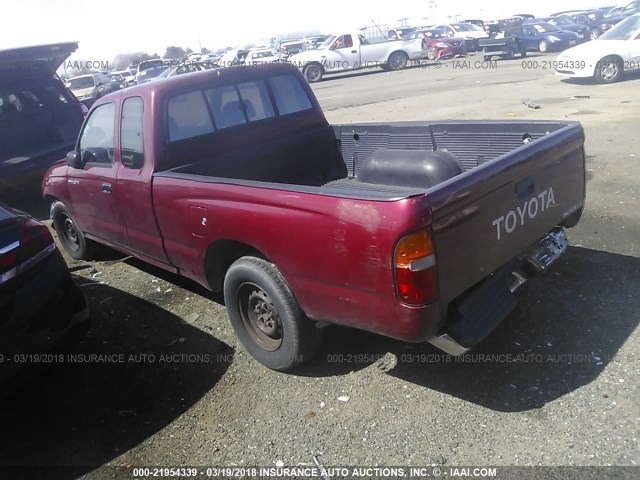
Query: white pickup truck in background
x=354, y=51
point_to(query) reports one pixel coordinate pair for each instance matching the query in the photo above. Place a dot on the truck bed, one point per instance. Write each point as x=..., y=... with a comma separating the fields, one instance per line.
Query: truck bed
x=348, y=150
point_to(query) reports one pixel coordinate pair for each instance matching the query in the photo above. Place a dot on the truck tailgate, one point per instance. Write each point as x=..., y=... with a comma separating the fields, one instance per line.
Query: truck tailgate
x=496, y=211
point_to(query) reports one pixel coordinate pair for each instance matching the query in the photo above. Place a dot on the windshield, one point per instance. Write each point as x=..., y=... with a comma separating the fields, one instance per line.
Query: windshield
x=544, y=28
x=466, y=27
x=115, y=77
x=628, y=29
x=80, y=83
x=561, y=21
x=327, y=43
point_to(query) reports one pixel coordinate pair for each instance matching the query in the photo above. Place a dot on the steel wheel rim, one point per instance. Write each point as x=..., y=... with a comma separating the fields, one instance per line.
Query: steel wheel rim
x=543, y=47
x=594, y=34
x=609, y=71
x=260, y=317
x=70, y=232
x=313, y=73
x=398, y=61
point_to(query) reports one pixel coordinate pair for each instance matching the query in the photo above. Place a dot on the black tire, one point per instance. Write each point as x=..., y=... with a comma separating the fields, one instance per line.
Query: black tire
x=487, y=58
x=509, y=55
x=313, y=72
x=398, y=61
x=72, y=239
x=608, y=70
x=266, y=316
x=523, y=53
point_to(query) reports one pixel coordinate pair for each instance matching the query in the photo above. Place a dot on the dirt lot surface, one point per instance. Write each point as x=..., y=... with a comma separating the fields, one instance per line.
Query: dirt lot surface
x=179, y=389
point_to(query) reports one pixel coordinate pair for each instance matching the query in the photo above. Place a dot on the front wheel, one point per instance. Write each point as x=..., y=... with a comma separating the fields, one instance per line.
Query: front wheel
x=266, y=316
x=595, y=33
x=71, y=237
x=398, y=61
x=543, y=46
x=608, y=70
x=313, y=73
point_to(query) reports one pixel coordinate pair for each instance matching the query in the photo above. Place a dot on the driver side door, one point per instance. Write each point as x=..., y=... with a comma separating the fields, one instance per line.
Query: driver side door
x=92, y=188
x=344, y=55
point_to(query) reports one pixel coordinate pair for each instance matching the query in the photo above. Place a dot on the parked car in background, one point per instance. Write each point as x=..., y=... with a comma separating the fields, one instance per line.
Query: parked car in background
x=353, y=51
x=565, y=23
x=438, y=45
x=189, y=67
x=40, y=305
x=116, y=81
x=315, y=41
x=261, y=56
x=471, y=33
x=524, y=16
x=152, y=73
x=39, y=117
x=545, y=37
x=234, y=57
x=127, y=75
x=147, y=64
x=508, y=41
x=607, y=58
x=597, y=21
x=90, y=87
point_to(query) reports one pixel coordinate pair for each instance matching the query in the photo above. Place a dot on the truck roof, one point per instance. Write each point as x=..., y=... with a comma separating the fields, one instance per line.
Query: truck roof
x=213, y=76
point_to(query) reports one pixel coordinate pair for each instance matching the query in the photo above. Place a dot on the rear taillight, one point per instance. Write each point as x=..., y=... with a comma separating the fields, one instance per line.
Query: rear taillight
x=415, y=263
x=33, y=245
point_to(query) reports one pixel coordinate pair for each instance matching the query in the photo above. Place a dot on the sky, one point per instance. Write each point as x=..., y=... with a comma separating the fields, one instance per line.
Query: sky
x=107, y=28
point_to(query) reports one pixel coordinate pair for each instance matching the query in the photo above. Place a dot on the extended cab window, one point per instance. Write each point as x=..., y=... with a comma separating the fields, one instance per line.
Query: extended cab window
x=226, y=107
x=289, y=94
x=97, y=140
x=188, y=116
x=256, y=101
x=132, y=140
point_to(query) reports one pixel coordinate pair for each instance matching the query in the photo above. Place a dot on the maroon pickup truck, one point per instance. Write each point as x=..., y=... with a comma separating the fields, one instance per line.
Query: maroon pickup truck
x=420, y=231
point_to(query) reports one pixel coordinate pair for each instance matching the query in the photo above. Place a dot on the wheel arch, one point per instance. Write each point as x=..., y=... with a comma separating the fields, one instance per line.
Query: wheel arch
x=220, y=255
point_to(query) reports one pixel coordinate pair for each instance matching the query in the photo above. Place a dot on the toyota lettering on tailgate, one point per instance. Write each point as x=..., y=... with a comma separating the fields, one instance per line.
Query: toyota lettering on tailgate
x=529, y=210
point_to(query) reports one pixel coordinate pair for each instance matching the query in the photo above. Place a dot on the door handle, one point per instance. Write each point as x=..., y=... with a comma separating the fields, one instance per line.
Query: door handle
x=106, y=188
x=354, y=51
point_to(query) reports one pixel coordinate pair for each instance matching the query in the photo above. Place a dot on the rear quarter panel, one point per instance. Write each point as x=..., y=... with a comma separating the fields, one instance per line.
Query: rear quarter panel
x=335, y=254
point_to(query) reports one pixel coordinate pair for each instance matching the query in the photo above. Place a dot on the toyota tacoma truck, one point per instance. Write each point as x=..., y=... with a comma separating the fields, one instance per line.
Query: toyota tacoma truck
x=355, y=51
x=420, y=231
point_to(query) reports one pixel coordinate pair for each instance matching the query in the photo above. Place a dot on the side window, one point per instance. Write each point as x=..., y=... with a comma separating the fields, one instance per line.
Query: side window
x=345, y=41
x=256, y=101
x=131, y=135
x=188, y=116
x=225, y=106
x=97, y=139
x=289, y=94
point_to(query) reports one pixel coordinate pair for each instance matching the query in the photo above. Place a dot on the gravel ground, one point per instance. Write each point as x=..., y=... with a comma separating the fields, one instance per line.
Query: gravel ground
x=556, y=384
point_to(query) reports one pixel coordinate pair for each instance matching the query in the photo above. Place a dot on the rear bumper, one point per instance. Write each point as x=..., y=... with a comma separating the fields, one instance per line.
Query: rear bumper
x=479, y=311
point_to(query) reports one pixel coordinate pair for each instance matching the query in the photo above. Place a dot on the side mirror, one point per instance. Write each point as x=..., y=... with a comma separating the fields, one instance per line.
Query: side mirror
x=74, y=160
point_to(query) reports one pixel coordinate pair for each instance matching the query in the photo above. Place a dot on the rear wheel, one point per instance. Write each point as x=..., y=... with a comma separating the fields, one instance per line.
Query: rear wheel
x=543, y=46
x=398, y=61
x=313, y=73
x=523, y=53
x=71, y=237
x=608, y=70
x=266, y=316
x=595, y=33
x=487, y=58
x=509, y=55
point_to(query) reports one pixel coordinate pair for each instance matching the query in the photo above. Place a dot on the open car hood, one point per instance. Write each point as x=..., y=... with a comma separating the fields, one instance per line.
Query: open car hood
x=33, y=62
